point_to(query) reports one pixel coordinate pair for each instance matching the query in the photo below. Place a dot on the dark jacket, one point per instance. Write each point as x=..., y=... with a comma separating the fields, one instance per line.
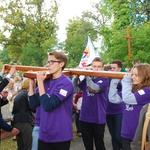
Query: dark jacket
x=137, y=141
x=3, y=123
x=3, y=84
x=21, y=109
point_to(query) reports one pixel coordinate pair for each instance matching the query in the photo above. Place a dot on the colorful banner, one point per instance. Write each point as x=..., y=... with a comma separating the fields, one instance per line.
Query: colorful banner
x=88, y=55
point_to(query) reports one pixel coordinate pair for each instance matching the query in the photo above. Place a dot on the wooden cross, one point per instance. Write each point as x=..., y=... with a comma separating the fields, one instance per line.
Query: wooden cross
x=128, y=37
x=66, y=71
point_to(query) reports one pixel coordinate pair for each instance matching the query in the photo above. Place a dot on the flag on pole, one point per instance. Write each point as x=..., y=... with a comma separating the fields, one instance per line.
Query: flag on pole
x=88, y=55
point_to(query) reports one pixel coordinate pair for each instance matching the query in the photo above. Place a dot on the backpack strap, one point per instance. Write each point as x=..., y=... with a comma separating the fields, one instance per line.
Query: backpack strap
x=145, y=128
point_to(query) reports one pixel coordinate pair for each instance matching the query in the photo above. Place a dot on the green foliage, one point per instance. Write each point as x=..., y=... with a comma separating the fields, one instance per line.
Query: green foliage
x=4, y=56
x=140, y=45
x=110, y=20
x=125, y=14
x=75, y=44
x=32, y=30
x=8, y=144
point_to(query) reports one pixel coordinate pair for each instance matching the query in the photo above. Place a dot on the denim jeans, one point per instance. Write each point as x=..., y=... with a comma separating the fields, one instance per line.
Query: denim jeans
x=114, y=125
x=77, y=121
x=35, y=136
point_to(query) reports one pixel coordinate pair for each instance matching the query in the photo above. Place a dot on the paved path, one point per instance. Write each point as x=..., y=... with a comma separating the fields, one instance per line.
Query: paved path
x=77, y=143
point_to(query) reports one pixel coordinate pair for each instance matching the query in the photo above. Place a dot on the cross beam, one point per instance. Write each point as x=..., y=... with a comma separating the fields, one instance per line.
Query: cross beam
x=67, y=72
x=128, y=38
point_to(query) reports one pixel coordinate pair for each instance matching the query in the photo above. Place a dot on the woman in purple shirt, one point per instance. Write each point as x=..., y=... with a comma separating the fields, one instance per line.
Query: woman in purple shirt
x=135, y=94
x=54, y=99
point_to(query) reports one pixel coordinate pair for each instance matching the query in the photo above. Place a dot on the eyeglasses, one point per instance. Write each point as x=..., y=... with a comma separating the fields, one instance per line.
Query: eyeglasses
x=51, y=62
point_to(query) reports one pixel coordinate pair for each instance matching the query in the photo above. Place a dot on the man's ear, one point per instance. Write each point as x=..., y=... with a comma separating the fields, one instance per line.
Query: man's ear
x=62, y=64
x=120, y=69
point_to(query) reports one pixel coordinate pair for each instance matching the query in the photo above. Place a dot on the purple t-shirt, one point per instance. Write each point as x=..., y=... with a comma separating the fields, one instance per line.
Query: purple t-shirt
x=113, y=109
x=56, y=125
x=131, y=113
x=93, y=107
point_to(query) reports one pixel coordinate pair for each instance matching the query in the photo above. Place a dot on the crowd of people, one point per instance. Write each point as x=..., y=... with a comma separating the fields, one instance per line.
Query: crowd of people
x=42, y=108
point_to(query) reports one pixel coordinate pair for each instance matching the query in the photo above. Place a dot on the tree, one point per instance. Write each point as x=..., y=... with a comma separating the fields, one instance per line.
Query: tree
x=101, y=18
x=77, y=31
x=124, y=13
x=133, y=14
x=140, y=44
x=4, y=56
x=32, y=28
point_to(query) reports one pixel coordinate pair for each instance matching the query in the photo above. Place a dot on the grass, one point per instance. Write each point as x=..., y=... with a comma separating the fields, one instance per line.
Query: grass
x=8, y=144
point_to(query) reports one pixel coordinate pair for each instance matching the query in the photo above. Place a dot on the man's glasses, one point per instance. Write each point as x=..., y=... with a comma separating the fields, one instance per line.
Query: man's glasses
x=51, y=62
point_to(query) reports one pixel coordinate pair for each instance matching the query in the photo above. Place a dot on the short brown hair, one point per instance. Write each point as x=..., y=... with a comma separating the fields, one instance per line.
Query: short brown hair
x=118, y=62
x=60, y=56
x=98, y=59
x=135, y=62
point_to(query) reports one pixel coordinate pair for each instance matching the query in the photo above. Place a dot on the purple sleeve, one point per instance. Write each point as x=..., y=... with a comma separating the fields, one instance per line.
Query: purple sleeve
x=143, y=96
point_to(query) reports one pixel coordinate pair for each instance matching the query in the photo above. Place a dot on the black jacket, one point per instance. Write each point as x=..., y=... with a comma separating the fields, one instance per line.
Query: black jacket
x=21, y=109
x=3, y=123
x=3, y=84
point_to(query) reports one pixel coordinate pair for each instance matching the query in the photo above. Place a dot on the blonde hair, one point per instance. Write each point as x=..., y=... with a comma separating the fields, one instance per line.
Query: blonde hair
x=25, y=84
x=17, y=78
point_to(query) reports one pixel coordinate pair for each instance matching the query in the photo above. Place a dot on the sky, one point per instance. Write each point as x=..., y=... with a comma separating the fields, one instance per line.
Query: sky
x=69, y=9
